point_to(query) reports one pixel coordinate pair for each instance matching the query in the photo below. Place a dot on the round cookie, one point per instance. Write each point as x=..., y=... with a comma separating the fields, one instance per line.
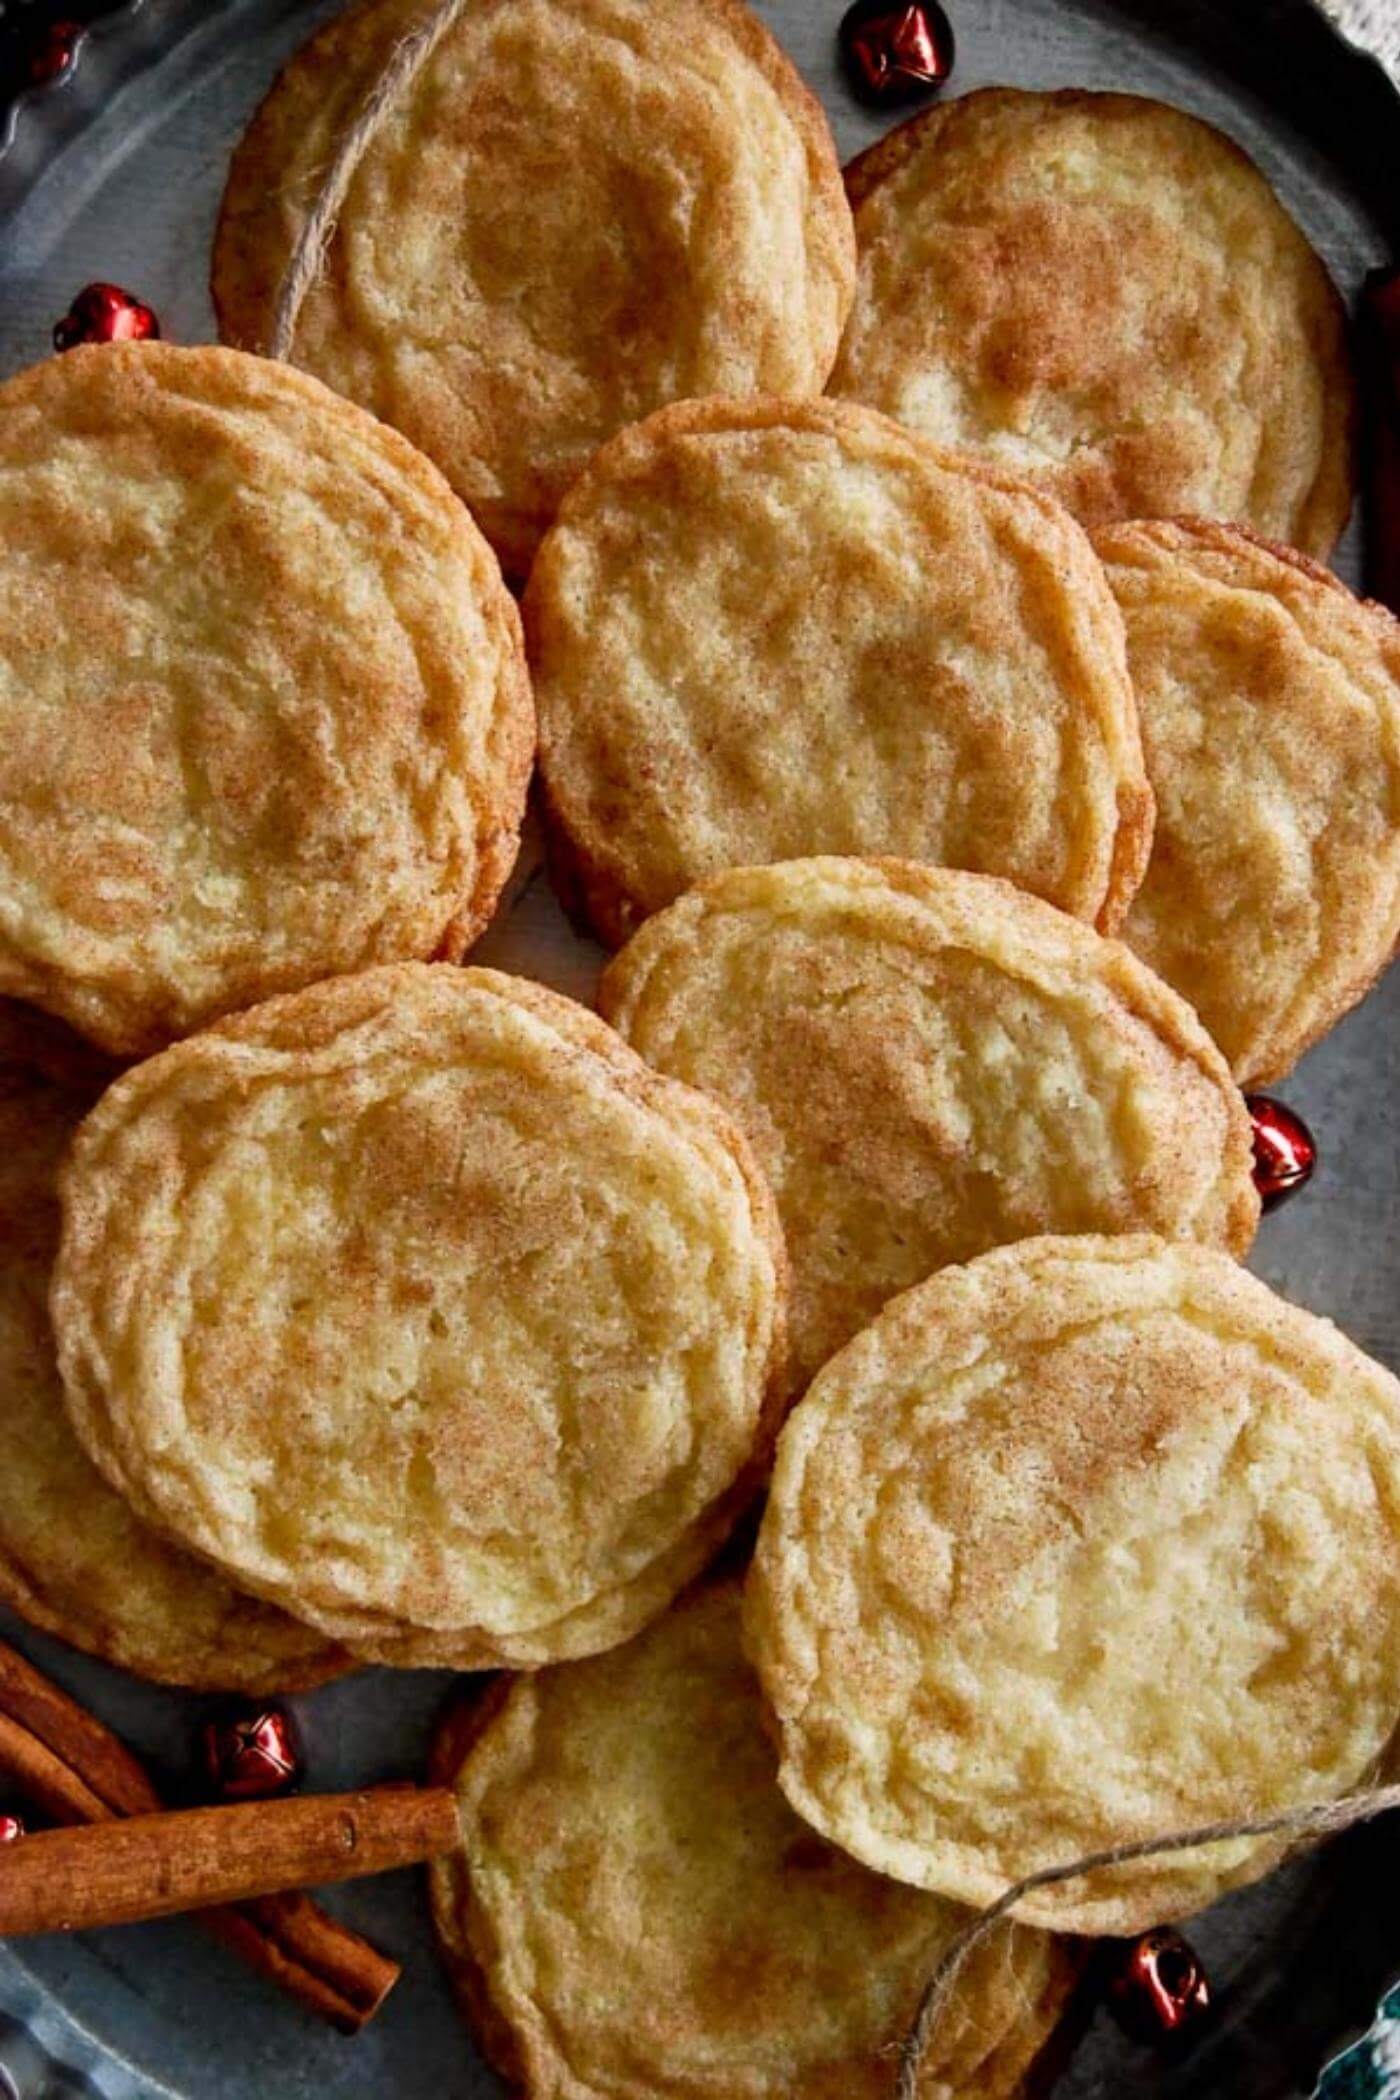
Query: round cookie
x=264, y=714
x=763, y=630
x=635, y=1909
x=1270, y=702
x=929, y=1064
x=1104, y=294
x=581, y=210
x=421, y=1306
x=1088, y=1541
x=73, y=1559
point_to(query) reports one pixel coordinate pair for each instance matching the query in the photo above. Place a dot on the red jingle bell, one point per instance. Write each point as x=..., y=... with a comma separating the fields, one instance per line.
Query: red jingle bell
x=54, y=53
x=896, y=54
x=1285, y=1150
x=11, y=1827
x=104, y=313
x=1158, y=1986
x=252, y=1755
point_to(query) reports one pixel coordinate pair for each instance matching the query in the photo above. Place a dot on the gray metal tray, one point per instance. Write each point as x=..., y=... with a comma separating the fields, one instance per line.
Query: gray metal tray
x=117, y=175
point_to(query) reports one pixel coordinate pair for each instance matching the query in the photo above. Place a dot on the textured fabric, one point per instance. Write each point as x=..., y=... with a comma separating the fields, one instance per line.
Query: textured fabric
x=1374, y=23
x=1370, y=2070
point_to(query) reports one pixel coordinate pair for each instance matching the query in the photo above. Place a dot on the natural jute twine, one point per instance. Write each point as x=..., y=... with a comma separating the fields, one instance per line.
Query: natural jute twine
x=1323, y=1821
x=309, y=254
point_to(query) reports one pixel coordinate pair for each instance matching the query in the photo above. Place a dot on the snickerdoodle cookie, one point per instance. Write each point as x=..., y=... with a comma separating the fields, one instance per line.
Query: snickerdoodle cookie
x=635, y=1909
x=1089, y=1540
x=929, y=1064
x=764, y=630
x=580, y=210
x=420, y=1305
x=1104, y=294
x=1270, y=702
x=264, y=715
x=73, y=1559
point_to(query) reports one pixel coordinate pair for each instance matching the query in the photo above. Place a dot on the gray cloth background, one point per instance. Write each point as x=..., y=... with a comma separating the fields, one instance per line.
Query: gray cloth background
x=1375, y=23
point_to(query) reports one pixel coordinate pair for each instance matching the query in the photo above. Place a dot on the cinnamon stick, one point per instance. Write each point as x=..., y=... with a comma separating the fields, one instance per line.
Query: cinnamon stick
x=299, y=1947
x=96, y=1757
x=69, y=1765
x=122, y=1872
x=31, y=1770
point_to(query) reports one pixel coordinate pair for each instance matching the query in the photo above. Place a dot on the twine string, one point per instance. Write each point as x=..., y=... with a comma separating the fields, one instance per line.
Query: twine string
x=1325, y=1820
x=309, y=254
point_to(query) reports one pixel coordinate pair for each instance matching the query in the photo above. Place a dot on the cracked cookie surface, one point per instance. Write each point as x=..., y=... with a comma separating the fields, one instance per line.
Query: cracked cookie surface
x=771, y=629
x=420, y=1305
x=1104, y=294
x=929, y=1064
x=1089, y=1540
x=74, y=1561
x=1270, y=705
x=264, y=713
x=642, y=1786
x=580, y=210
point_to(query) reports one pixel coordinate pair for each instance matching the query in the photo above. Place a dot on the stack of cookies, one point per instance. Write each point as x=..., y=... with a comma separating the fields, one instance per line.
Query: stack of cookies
x=981, y=781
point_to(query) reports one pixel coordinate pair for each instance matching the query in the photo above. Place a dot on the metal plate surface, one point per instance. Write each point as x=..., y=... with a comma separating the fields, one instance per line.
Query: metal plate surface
x=117, y=175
